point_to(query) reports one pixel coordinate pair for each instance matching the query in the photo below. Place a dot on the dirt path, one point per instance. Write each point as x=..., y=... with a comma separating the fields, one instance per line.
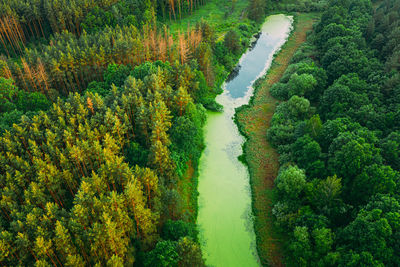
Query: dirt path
x=262, y=159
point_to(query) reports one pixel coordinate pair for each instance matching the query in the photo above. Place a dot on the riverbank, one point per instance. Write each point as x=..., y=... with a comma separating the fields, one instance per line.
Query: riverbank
x=225, y=218
x=253, y=121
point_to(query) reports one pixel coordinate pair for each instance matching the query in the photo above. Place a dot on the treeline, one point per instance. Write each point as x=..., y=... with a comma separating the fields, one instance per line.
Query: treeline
x=301, y=5
x=70, y=63
x=337, y=132
x=94, y=179
x=23, y=21
x=177, y=8
x=36, y=18
x=257, y=9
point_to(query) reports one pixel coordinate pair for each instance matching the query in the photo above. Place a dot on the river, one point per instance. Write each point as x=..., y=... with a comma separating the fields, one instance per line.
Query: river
x=225, y=217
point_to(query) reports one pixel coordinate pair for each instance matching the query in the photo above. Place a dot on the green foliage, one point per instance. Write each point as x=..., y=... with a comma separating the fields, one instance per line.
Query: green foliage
x=325, y=194
x=352, y=157
x=98, y=19
x=148, y=68
x=136, y=154
x=280, y=91
x=291, y=182
x=257, y=9
x=116, y=74
x=302, y=79
x=307, y=154
x=189, y=253
x=337, y=120
x=390, y=150
x=164, y=255
x=372, y=232
x=281, y=135
x=100, y=170
x=223, y=57
x=175, y=230
x=14, y=103
x=232, y=42
x=301, y=84
x=8, y=92
x=373, y=180
x=299, y=6
x=298, y=107
x=183, y=252
x=186, y=135
x=98, y=88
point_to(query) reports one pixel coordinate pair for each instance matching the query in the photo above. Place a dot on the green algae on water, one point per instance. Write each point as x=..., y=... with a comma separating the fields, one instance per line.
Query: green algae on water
x=225, y=217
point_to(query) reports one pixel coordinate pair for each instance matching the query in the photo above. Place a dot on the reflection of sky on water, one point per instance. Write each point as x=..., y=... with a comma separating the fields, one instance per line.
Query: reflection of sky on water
x=251, y=65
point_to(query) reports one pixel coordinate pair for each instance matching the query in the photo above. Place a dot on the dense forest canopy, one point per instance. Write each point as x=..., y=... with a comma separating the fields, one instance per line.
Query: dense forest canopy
x=337, y=132
x=73, y=173
x=36, y=18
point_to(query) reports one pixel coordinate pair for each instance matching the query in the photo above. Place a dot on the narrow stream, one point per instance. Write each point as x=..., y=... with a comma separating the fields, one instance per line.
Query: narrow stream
x=225, y=218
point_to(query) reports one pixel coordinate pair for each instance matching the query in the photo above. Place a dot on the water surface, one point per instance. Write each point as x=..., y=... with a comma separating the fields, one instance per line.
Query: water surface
x=225, y=218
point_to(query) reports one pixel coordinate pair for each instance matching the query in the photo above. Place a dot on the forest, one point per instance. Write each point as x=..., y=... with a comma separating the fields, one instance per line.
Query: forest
x=101, y=116
x=102, y=109
x=337, y=134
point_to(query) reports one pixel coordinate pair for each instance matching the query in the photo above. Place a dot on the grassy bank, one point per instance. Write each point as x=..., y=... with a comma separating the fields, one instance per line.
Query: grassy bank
x=253, y=121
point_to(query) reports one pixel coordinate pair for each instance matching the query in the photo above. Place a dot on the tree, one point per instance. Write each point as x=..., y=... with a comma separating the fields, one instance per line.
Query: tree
x=186, y=135
x=257, y=10
x=301, y=247
x=116, y=74
x=290, y=182
x=325, y=197
x=298, y=107
x=306, y=152
x=232, y=42
x=182, y=99
x=175, y=230
x=390, y=150
x=352, y=220
x=301, y=85
x=280, y=91
x=323, y=240
x=352, y=158
x=163, y=255
x=281, y=134
x=314, y=126
x=369, y=233
x=189, y=253
x=374, y=179
x=71, y=191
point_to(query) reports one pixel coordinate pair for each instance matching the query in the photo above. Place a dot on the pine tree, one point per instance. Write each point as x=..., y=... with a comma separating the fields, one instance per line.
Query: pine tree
x=182, y=99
